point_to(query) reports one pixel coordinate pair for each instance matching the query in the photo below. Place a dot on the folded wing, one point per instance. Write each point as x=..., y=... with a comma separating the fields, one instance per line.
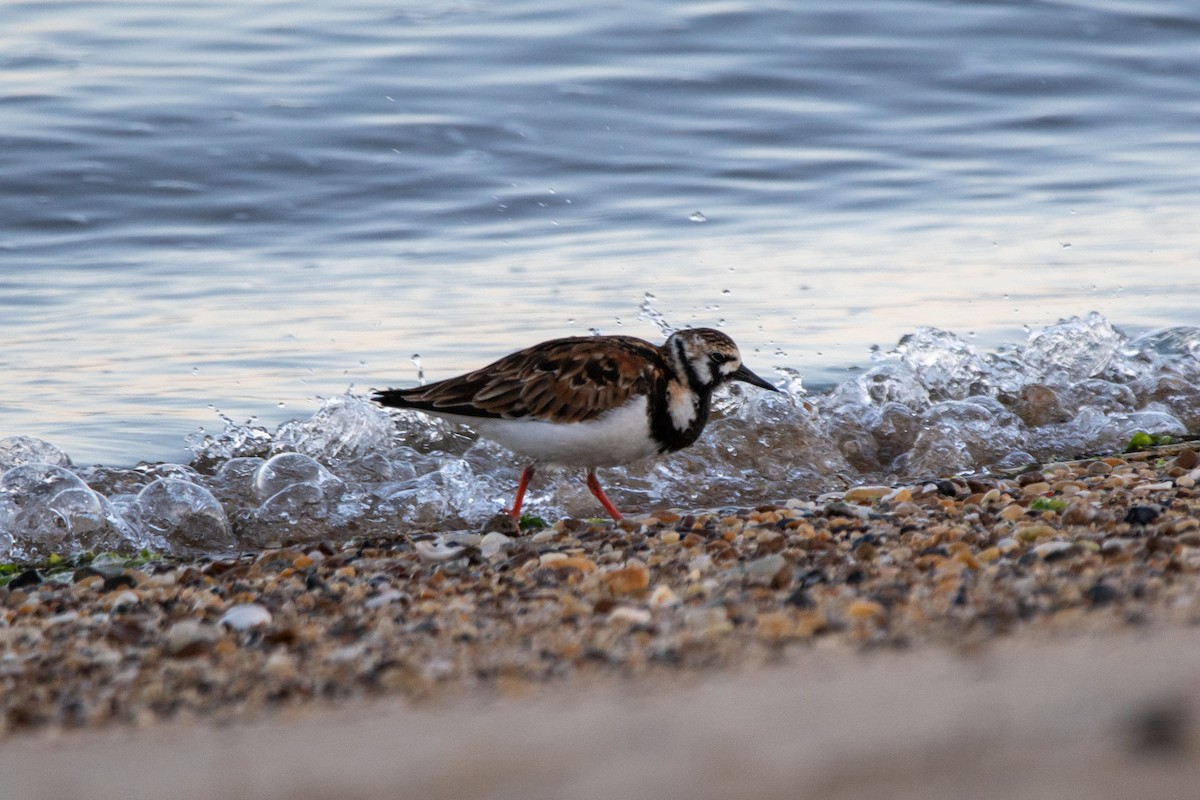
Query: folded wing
x=565, y=380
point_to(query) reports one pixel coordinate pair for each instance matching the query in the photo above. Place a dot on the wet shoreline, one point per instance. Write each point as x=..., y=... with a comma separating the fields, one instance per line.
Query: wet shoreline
x=1099, y=545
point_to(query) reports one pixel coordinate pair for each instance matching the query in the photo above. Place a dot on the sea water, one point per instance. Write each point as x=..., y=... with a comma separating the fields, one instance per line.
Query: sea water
x=225, y=222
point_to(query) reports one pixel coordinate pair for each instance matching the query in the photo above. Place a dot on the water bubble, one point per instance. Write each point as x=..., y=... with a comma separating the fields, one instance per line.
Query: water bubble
x=294, y=503
x=18, y=450
x=184, y=515
x=959, y=436
x=45, y=509
x=288, y=469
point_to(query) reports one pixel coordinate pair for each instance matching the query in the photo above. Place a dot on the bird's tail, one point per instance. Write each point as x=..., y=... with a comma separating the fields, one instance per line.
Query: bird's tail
x=394, y=398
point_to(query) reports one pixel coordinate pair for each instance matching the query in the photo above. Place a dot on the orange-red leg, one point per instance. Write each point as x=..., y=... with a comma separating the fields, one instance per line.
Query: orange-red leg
x=594, y=485
x=526, y=476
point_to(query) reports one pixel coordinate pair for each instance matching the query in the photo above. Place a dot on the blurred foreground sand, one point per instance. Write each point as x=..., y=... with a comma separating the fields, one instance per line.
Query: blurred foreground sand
x=1089, y=716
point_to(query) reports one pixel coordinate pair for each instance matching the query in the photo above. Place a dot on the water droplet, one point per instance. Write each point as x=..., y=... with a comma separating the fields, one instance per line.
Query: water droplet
x=647, y=311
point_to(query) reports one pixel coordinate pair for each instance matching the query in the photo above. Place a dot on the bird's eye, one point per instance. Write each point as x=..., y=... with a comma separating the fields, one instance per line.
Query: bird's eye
x=720, y=358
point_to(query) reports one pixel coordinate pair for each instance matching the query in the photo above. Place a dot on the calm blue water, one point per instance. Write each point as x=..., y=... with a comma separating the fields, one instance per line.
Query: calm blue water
x=243, y=206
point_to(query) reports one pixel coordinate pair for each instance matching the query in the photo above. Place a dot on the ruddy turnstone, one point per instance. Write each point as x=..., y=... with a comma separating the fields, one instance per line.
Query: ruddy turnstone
x=588, y=401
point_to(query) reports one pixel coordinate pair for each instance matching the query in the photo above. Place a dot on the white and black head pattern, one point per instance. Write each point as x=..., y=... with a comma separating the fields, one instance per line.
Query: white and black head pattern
x=698, y=361
x=706, y=358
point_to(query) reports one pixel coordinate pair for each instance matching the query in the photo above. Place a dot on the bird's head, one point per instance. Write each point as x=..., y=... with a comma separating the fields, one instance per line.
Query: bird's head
x=707, y=358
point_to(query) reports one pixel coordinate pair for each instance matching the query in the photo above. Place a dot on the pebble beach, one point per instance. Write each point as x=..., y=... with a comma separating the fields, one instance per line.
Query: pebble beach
x=1100, y=549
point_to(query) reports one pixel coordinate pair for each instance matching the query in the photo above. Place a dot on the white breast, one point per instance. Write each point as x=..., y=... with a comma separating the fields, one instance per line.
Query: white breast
x=616, y=437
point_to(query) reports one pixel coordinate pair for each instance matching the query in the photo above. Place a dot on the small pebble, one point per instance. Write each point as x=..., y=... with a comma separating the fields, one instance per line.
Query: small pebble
x=190, y=637
x=630, y=615
x=121, y=600
x=631, y=579
x=494, y=544
x=437, y=552
x=1188, y=459
x=772, y=570
x=245, y=616
x=663, y=597
x=865, y=609
x=774, y=626
x=866, y=494
x=1049, y=551
x=1012, y=512
x=384, y=598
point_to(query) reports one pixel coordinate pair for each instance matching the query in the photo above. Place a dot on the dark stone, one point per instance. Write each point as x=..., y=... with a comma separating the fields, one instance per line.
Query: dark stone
x=667, y=655
x=119, y=582
x=603, y=606
x=29, y=577
x=866, y=538
x=812, y=577
x=949, y=488
x=1032, y=476
x=1142, y=515
x=800, y=599
x=1187, y=460
x=1160, y=728
x=1102, y=594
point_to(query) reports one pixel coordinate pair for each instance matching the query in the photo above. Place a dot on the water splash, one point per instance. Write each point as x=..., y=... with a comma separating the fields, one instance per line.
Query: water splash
x=648, y=312
x=934, y=405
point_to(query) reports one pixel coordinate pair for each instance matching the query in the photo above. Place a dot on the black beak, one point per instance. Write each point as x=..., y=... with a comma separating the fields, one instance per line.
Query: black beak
x=743, y=374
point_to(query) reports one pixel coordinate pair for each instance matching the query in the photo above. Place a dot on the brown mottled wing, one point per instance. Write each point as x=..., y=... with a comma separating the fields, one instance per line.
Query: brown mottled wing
x=567, y=380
